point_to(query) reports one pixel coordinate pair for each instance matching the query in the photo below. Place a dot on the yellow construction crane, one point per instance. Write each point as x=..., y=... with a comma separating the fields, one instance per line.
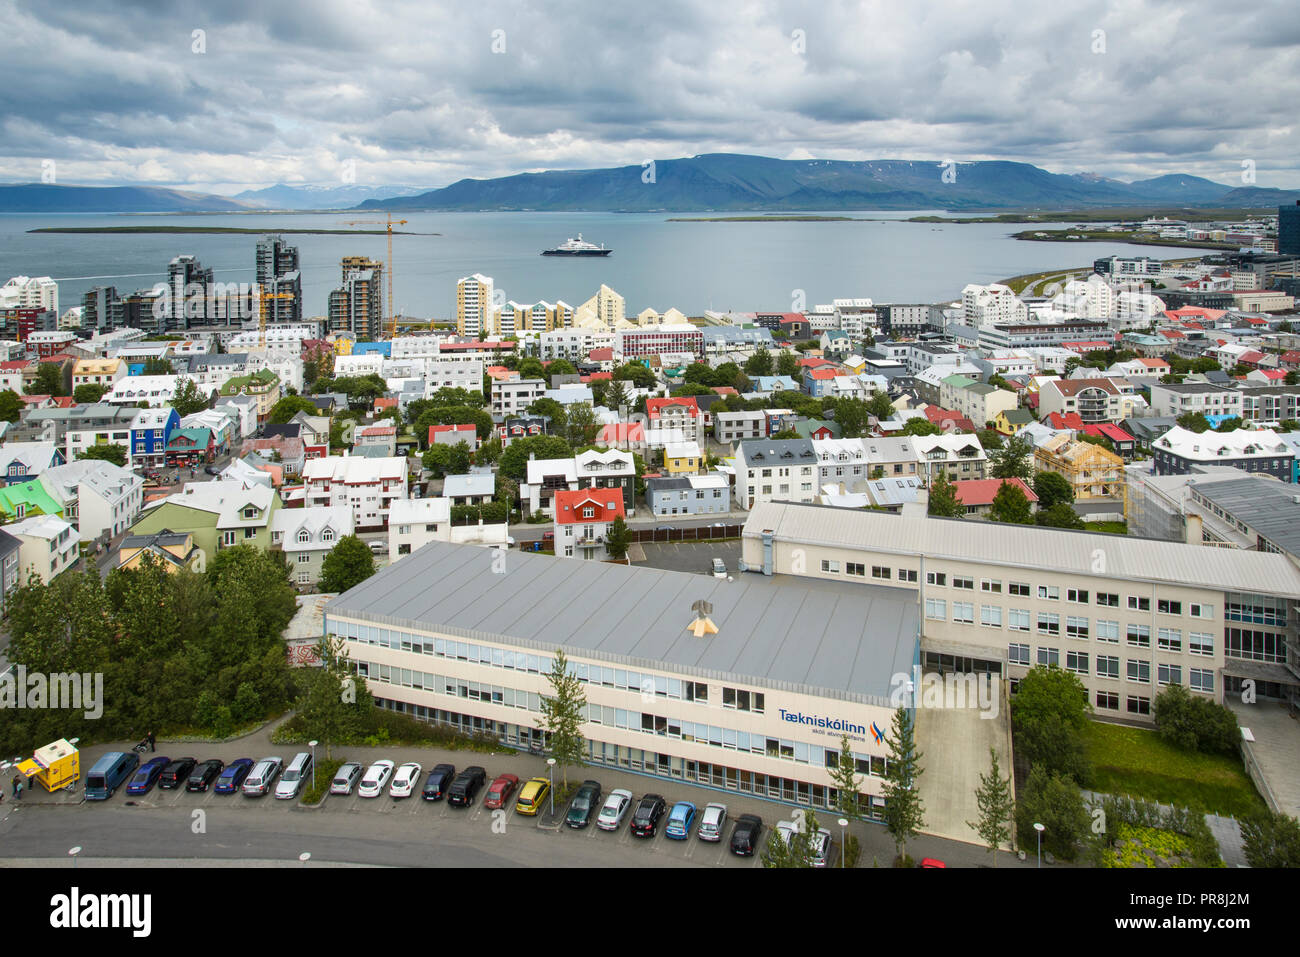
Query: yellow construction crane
x=388, y=222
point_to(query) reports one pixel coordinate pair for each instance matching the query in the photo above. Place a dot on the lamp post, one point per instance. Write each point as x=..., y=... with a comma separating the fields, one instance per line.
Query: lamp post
x=844, y=825
x=1039, y=828
x=312, y=745
x=550, y=770
x=72, y=853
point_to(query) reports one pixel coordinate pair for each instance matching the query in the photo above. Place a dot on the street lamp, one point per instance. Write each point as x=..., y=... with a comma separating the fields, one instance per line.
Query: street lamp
x=73, y=852
x=550, y=770
x=312, y=745
x=844, y=824
x=1039, y=828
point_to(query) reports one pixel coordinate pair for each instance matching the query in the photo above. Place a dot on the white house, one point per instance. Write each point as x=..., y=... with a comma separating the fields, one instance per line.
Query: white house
x=49, y=546
x=307, y=535
x=98, y=497
x=414, y=522
x=367, y=486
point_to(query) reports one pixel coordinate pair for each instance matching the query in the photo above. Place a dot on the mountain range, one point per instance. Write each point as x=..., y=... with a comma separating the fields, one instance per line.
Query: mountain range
x=731, y=181
x=711, y=182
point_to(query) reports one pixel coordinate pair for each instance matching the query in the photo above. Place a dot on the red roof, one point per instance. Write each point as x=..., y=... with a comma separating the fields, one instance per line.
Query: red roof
x=813, y=362
x=606, y=505
x=1291, y=355
x=1251, y=355
x=725, y=390
x=435, y=429
x=1172, y=334
x=981, y=491
x=655, y=407
x=600, y=355
x=381, y=404
x=374, y=430
x=598, y=377
x=64, y=401
x=623, y=432
x=1154, y=363
x=1273, y=373
x=790, y=318
x=14, y=365
x=1070, y=420
x=35, y=399
x=1112, y=432
x=940, y=416
x=822, y=374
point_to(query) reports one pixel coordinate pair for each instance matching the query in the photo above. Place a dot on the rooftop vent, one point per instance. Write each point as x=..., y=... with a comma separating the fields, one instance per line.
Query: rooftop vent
x=701, y=625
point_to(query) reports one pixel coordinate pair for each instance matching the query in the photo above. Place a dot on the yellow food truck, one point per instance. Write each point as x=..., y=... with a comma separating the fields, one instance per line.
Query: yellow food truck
x=57, y=765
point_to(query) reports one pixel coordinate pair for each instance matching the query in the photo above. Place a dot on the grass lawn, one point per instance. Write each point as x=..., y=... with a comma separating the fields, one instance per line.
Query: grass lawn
x=1111, y=528
x=1136, y=762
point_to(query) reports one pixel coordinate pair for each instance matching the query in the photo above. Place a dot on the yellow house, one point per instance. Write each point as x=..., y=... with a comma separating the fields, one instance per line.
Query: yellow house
x=1091, y=470
x=855, y=364
x=173, y=550
x=105, y=372
x=1011, y=421
x=682, y=458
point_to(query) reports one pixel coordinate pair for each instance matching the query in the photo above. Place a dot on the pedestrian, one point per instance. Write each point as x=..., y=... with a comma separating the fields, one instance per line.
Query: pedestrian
x=18, y=788
x=151, y=741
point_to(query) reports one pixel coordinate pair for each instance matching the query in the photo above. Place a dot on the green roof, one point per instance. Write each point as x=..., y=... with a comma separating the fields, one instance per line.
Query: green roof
x=806, y=428
x=201, y=437
x=238, y=383
x=32, y=496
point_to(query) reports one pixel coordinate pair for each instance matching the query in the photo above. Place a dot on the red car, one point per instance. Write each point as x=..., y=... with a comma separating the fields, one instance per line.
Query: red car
x=932, y=862
x=499, y=793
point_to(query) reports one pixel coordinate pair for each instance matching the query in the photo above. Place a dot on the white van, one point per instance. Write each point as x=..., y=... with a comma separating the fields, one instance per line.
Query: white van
x=298, y=771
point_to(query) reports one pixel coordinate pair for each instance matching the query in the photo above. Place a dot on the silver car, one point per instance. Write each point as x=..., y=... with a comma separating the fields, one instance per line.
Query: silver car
x=614, y=810
x=262, y=777
x=345, y=779
x=712, y=823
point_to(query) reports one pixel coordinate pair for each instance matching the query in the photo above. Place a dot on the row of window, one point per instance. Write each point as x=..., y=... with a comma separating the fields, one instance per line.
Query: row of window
x=1136, y=670
x=1076, y=627
x=1076, y=595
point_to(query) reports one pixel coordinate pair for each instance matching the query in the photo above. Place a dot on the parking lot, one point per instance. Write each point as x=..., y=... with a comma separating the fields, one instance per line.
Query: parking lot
x=690, y=556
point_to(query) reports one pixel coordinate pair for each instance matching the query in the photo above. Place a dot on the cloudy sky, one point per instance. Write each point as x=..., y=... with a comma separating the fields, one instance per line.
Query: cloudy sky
x=430, y=91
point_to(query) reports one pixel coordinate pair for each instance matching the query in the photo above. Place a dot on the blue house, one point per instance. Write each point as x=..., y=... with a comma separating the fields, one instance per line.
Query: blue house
x=151, y=430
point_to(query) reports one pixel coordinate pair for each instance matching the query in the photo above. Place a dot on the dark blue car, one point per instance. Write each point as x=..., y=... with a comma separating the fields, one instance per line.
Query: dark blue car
x=233, y=776
x=146, y=777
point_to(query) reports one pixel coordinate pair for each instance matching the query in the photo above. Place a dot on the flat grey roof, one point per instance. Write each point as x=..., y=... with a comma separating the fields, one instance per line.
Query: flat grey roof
x=842, y=640
x=1266, y=505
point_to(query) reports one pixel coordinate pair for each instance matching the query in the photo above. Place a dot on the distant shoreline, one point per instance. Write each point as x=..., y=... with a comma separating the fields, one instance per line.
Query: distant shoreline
x=769, y=219
x=223, y=229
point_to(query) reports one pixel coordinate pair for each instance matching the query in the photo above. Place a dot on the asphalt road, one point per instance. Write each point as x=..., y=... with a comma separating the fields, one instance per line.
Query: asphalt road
x=691, y=556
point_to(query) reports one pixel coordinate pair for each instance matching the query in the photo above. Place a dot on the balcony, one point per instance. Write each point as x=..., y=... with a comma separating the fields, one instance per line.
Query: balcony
x=590, y=541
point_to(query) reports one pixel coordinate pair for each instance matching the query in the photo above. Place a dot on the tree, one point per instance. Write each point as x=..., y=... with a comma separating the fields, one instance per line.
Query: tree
x=1053, y=800
x=639, y=375
x=514, y=460
x=1193, y=723
x=349, y=563
x=918, y=425
x=443, y=460
x=880, y=406
x=1011, y=505
x=617, y=538
x=760, y=363
x=785, y=434
x=904, y=810
x=1059, y=515
x=108, y=453
x=581, y=424
x=616, y=395
x=11, y=406
x=189, y=398
x=288, y=407
x=333, y=703
x=943, y=498
x=787, y=363
x=996, y=806
x=156, y=365
x=560, y=367
x=1051, y=488
x=455, y=396
x=844, y=777
x=531, y=368
x=1194, y=421
x=1271, y=840
x=1230, y=424
x=48, y=381
x=563, y=714
x=851, y=416
x=89, y=392
x=1013, y=460
x=1049, y=713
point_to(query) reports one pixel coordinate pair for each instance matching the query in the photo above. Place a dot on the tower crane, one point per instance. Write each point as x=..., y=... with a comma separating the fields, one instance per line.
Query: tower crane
x=389, y=223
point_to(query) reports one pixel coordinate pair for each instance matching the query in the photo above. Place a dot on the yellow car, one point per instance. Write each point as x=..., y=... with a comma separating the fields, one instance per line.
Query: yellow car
x=533, y=796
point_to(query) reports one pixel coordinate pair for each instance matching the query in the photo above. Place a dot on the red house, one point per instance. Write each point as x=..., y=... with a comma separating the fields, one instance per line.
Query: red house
x=582, y=520
x=453, y=434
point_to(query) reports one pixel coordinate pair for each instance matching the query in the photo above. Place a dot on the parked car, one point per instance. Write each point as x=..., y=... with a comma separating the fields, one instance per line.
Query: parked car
x=680, y=821
x=744, y=839
x=372, y=784
x=719, y=568
x=212, y=470
x=467, y=784
x=533, y=796
x=498, y=794
x=379, y=547
x=262, y=777
x=645, y=819
x=611, y=814
x=405, y=780
x=346, y=778
x=174, y=775
x=821, y=842
x=204, y=773
x=712, y=823
x=232, y=778
x=932, y=862
x=146, y=776
x=439, y=779
x=297, y=774
x=584, y=801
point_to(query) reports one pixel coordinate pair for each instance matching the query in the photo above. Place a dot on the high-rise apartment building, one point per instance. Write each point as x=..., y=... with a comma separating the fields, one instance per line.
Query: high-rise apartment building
x=474, y=312
x=1288, y=230
x=357, y=305
x=280, y=281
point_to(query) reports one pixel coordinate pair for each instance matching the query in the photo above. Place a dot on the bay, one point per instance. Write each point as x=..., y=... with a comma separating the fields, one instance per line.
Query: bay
x=693, y=266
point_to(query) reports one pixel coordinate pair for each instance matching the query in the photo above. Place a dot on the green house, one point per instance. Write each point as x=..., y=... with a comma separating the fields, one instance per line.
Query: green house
x=218, y=514
x=27, y=499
